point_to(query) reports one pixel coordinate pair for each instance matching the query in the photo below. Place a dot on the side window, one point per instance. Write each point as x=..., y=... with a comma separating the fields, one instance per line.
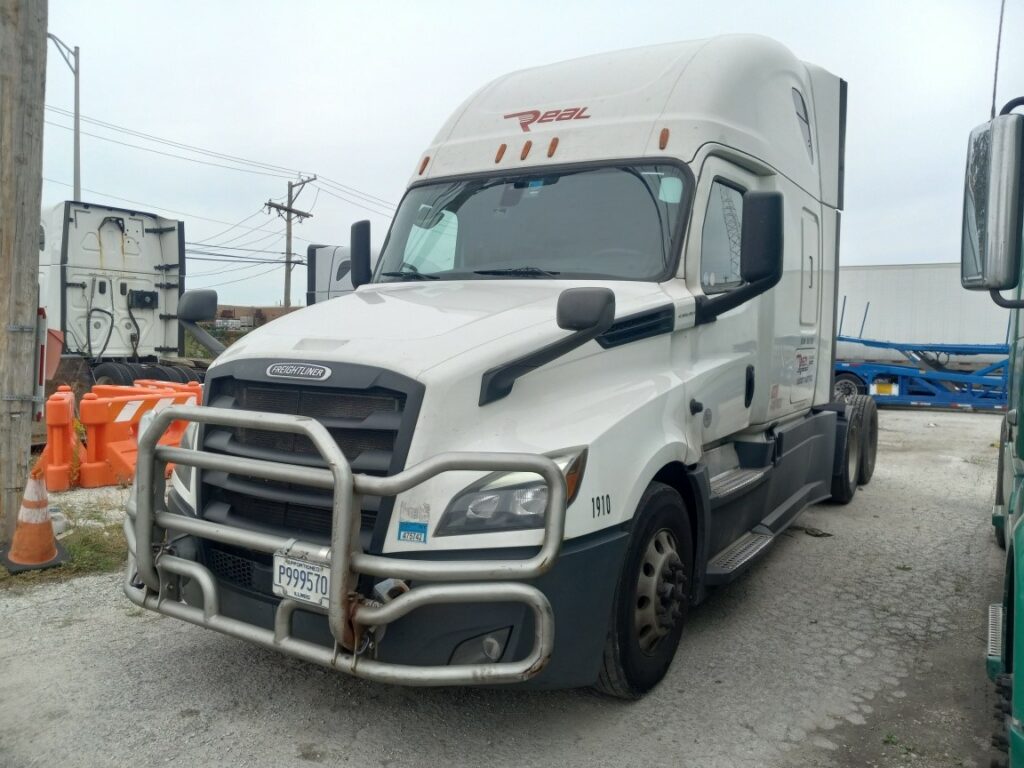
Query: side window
x=804, y=121
x=431, y=244
x=720, y=239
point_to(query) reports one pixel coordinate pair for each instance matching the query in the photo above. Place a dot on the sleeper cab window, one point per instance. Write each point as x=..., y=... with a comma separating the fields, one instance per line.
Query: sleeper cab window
x=804, y=122
x=720, y=239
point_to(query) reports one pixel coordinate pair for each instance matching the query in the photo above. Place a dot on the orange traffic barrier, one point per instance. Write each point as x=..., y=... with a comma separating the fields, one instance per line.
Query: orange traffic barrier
x=34, y=545
x=62, y=456
x=111, y=416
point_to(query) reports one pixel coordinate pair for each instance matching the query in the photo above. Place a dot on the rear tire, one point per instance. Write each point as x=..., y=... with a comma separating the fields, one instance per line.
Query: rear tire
x=844, y=482
x=652, y=598
x=847, y=386
x=113, y=373
x=864, y=408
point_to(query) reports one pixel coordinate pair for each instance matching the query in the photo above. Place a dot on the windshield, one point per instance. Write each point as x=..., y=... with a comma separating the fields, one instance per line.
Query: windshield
x=616, y=223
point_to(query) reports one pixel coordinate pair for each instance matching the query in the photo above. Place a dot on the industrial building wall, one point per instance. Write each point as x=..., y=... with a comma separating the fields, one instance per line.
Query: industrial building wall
x=921, y=303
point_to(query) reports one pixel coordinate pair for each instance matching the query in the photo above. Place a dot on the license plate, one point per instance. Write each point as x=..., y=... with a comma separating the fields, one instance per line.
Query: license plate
x=885, y=388
x=301, y=580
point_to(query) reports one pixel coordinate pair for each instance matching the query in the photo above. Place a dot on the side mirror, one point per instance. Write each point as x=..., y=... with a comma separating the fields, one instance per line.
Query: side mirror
x=761, y=252
x=198, y=306
x=586, y=309
x=359, y=253
x=761, y=237
x=990, y=246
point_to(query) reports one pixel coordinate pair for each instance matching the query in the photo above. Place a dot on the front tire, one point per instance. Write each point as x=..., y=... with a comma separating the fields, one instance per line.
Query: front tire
x=652, y=599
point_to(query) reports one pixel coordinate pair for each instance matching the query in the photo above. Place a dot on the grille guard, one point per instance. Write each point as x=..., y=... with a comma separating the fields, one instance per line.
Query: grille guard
x=149, y=585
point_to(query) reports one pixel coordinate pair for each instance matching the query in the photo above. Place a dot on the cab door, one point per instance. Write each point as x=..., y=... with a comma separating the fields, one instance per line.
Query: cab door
x=726, y=373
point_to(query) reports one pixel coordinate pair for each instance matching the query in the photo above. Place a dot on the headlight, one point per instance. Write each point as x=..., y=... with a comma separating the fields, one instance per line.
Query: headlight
x=510, y=501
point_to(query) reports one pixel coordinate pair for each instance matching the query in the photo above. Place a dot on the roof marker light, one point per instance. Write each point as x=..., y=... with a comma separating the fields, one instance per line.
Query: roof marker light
x=552, y=147
x=526, y=150
x=501, y=153
x=663, y=141
x=423, y=164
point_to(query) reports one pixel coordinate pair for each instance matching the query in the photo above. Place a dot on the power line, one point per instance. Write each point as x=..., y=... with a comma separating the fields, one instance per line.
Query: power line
x=385, y=214
x=170, y=154
x=246, y=277
x=236, y=248
x=267, y=168
x=221, y=271
x=233, y=226
x=168, y=210
x=238, y=260
x=177, y=144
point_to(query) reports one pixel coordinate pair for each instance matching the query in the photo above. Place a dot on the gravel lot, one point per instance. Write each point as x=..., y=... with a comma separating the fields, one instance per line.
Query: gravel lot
x=856, y=649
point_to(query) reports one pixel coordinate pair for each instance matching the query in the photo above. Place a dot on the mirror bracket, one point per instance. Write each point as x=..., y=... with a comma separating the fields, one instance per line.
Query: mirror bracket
x=997, y=297
x=573, y=305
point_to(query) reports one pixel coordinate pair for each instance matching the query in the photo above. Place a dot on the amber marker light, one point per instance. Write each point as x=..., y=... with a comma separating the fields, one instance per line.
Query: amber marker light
x=501, y=153
x=526, y=150
x=663, y=141
x=423, y=164
x=574, y=476
x=552, y=147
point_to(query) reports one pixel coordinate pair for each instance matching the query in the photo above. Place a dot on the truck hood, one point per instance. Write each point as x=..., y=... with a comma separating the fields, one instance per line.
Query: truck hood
x=413, y=327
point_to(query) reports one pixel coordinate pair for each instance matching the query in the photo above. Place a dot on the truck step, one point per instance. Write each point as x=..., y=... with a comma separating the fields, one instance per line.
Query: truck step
x=729, y=563
x=734, y=481
x=995, y=633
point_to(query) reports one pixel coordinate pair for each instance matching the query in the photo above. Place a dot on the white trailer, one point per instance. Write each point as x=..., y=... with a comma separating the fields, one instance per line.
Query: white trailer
x=588, y=380
x=913, y=304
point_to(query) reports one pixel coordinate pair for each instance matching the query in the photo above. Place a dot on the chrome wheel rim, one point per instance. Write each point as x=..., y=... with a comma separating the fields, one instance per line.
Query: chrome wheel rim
x=844, y=390
x=660, y=591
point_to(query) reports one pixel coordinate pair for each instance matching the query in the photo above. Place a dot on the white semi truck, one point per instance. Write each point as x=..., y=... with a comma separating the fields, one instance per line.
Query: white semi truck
x=109, y=284
x=588, y=381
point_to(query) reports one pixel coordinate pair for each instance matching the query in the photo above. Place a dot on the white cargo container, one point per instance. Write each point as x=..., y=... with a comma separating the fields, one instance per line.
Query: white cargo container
x=912, y=303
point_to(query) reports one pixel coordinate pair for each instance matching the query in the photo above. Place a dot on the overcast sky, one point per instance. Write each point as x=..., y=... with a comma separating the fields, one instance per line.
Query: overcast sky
x=355, y=92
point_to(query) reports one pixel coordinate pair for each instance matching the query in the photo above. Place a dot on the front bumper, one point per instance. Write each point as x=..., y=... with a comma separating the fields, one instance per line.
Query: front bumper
x=156, y=576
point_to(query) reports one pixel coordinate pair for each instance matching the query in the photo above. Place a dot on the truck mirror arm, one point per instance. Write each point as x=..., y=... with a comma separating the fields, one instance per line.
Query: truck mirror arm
x=709, y=308
x=212, y=345
x=497, y=382
x=997, y=297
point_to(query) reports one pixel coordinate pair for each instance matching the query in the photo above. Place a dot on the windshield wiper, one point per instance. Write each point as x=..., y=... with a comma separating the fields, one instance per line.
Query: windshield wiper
x=410, y=274
x=517, y=272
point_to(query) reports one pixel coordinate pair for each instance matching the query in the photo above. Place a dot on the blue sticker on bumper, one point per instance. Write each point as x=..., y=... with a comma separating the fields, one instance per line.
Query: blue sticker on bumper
x=413, y=532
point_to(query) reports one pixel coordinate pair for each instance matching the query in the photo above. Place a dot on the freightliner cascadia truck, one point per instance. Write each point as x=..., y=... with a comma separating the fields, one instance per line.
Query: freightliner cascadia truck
x=993, y=233
x=588, y=380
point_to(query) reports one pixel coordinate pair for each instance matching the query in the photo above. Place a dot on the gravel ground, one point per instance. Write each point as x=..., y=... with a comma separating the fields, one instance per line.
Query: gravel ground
x=862, y=648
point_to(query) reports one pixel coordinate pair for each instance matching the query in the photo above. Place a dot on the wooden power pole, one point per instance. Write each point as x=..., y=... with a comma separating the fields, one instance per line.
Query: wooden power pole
x=290, y=212
x=22, y=92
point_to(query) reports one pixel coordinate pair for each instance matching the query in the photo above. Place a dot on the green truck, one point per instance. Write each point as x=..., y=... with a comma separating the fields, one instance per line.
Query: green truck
x=993, y=230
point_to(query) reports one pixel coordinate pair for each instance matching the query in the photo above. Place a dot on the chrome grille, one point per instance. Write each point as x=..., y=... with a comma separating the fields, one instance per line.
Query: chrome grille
x=366, y=423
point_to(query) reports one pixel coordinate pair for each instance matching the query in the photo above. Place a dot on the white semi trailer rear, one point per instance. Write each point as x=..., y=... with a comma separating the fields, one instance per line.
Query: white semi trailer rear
x=589, y=380
x=110, y=280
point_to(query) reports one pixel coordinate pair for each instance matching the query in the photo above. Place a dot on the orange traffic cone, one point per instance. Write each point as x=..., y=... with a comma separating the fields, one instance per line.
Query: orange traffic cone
x=34, y=545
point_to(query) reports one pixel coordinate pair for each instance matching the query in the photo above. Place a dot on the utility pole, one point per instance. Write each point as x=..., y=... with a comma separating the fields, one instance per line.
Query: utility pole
x=71, y=54
x=290, y=212
x=22, y=95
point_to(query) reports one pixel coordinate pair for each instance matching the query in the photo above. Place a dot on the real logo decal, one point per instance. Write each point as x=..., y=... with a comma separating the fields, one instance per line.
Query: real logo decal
x=531, y=116
x=307, y=371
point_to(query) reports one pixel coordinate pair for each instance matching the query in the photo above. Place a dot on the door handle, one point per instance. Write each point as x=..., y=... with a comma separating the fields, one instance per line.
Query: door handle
x=810, y=272
x=748, y=395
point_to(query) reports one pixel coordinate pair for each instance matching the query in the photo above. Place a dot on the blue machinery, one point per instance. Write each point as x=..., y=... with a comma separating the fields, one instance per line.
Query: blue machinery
x=926, y=381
